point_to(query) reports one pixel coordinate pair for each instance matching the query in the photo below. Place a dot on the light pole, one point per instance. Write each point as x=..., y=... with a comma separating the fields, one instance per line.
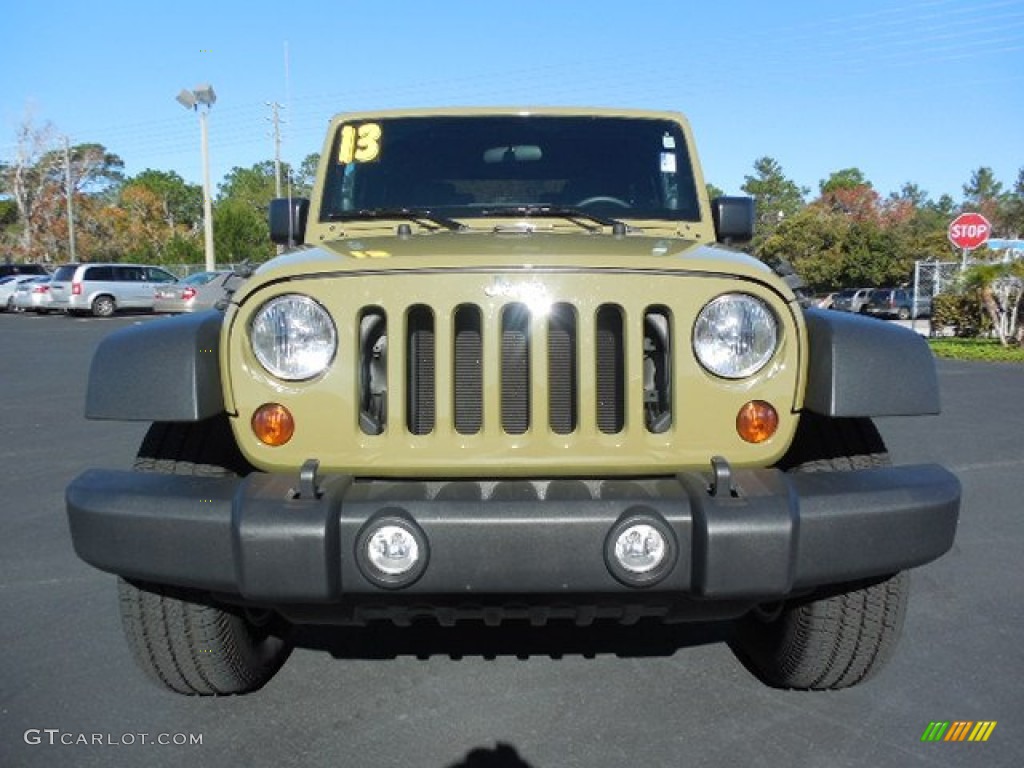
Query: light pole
x=203, y=94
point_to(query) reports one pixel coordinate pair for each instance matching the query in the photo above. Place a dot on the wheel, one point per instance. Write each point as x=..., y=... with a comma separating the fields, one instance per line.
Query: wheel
x=903, y=313
x=183, y=639
x=839, y=636
x=103, y=306
x=603, y=199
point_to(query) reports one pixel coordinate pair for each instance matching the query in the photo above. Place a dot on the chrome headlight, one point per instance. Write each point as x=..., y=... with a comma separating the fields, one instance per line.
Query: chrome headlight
x=735, y=335
x=293, y=337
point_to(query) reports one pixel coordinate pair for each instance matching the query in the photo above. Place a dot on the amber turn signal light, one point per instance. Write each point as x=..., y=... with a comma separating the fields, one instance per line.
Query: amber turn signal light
x=757, y=421
x=273, y=424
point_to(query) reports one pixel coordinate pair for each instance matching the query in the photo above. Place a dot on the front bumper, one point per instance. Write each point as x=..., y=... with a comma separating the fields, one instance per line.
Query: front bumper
x=260, y=539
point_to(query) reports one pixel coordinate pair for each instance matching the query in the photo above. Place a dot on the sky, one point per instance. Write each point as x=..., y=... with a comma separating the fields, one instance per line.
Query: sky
x=922, y=91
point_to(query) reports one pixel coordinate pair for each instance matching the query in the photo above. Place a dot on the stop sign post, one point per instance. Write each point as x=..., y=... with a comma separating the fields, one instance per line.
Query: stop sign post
x=969, y=231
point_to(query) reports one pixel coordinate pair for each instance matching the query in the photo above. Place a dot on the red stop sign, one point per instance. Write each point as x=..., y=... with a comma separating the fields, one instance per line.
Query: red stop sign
x=969, y=230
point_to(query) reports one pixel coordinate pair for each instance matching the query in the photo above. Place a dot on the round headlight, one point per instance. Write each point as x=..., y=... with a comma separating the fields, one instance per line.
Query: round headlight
x=735, y=335
x=293, y=337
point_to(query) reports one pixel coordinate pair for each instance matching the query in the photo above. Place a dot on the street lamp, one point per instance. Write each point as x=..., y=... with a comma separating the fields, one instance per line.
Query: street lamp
x=203, y=94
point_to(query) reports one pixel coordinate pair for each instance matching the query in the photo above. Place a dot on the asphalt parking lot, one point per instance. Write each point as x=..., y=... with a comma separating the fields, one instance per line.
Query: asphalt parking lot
x=525, y=699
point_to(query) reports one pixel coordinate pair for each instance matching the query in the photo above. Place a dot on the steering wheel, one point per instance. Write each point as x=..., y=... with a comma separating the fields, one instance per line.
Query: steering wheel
x=603, y=199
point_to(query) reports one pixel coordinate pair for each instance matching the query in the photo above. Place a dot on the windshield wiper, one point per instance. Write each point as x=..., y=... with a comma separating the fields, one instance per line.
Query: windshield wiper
x=411, y=214
x=575, y=215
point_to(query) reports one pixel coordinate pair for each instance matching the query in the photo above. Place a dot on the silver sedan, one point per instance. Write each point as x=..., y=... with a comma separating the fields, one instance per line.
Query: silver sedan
x=196, y=292
x=33, y=295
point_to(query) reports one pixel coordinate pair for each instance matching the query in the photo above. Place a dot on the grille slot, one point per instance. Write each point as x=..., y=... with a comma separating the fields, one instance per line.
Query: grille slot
x=657, y=369
x=422, y=356
x=562, y=375
x=468, y=369
x=373, y=370
x=609, y=346
x=515, y=369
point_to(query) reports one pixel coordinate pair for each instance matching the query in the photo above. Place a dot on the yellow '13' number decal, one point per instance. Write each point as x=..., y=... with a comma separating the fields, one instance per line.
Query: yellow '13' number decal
x=360, y=144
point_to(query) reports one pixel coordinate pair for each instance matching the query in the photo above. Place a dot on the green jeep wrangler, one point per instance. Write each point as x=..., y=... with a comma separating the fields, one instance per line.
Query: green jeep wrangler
x=513, y=373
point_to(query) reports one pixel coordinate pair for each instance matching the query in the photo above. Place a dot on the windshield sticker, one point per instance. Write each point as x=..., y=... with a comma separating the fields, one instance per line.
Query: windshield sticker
x=668, y=162
x=359, y=143
x=668, y=141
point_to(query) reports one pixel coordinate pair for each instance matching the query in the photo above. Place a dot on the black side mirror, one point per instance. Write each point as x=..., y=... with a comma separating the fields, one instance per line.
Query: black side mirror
x=734, y=219
x=288, y=220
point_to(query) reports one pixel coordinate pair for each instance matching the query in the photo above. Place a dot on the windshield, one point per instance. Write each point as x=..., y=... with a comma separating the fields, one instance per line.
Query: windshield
x=466, y=167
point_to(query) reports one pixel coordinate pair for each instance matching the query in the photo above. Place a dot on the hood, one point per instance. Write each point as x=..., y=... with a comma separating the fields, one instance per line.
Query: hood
x=512, y=251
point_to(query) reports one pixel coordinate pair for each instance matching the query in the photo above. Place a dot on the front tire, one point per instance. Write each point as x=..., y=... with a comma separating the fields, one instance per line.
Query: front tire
x=839, y=636
x=192, y=646
x=181, y=638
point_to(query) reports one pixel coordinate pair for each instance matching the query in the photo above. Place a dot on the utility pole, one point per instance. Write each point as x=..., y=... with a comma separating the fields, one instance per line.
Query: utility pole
x=70, y=195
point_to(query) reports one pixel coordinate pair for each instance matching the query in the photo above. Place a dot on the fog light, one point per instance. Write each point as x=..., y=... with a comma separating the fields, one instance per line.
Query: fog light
x=640, y=549
x=391, y=551
x=757, y=421
x=273, y=424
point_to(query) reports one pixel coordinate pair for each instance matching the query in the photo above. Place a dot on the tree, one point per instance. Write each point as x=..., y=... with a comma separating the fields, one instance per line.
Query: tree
x=984, y=194
x=181, y=203
x=302, y=181
x=37, y=184
x=240, y=232
x=999, y=288
x=847, y=191
x=776, y=198
x=253, y=186
x=1014, y=209
x=28, y=181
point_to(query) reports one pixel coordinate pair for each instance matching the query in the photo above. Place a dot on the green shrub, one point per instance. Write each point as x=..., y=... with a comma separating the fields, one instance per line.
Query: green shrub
x=963, y=312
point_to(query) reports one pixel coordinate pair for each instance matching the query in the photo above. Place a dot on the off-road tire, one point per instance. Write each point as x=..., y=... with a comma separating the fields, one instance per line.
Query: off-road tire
x=181, y=638
x=836, y=637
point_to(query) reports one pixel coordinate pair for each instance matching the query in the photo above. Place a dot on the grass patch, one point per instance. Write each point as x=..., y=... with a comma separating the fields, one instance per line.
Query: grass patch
x=976, y=349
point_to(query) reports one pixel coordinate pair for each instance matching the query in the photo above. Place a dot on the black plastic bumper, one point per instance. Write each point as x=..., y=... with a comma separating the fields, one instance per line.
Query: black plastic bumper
x=778, y=534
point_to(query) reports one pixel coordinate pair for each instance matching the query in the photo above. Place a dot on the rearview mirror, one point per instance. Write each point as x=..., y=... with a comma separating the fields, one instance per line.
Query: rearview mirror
x=519, y=153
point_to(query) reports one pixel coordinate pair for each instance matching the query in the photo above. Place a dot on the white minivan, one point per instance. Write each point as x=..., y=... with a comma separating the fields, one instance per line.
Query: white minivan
x=103, y=289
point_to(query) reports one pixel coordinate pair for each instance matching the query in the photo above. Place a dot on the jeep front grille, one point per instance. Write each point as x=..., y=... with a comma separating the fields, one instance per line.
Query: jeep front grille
x=539, y=356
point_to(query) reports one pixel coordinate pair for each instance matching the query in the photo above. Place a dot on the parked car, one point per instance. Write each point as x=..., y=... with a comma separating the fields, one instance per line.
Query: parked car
x=824, y=301
x=103, y=289
x=197, y=292
x=8, y=285
x=851, y=300
x=33, y=295
x=7, y=270
x=899, y=303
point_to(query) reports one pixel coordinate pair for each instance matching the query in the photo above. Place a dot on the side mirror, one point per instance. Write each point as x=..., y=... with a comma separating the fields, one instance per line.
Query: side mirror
x=288, y=220
x=734, y=219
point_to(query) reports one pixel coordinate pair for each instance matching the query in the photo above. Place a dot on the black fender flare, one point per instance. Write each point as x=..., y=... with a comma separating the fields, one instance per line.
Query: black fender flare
x=861, y=366
x=166, y=369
